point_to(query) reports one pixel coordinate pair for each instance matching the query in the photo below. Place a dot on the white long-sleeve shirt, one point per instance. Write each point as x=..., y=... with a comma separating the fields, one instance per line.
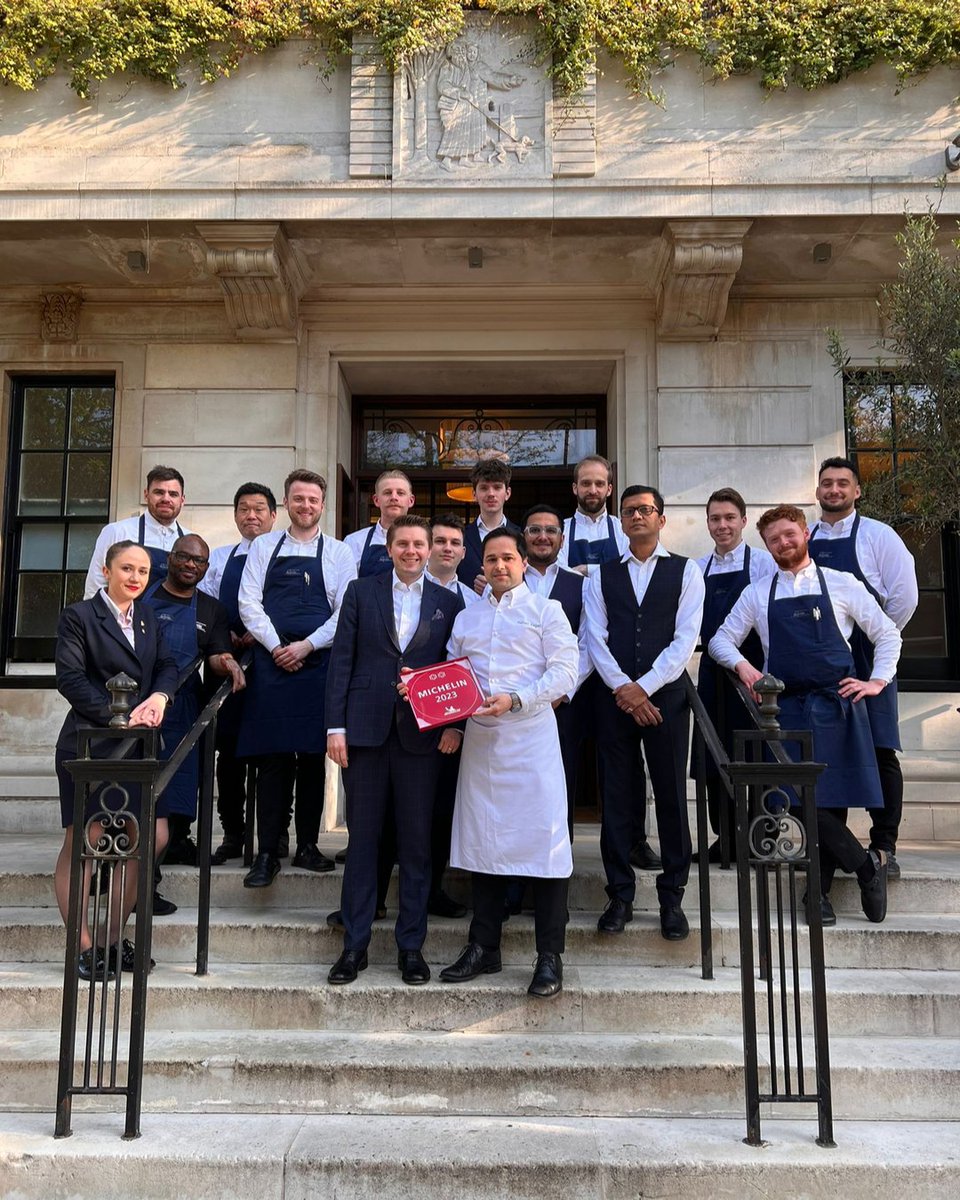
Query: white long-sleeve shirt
x=762, y=564
x=468, y=595
x=522, y=644
x=219, y=558
x=851, y=602
x=671, y=662
x=338, y=569
x=581, y=527
x=885, y=561
x=356, y=542
x=155, y=536
x=542, y=585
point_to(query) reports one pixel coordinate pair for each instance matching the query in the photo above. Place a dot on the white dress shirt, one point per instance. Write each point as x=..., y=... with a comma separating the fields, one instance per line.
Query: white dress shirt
x=406, y=608
x=124, y=620
x=338, y=569
x=582, y=527
x=484, y=529
x=885, y=561
x=671, y=662
x=155, y=535
x=762, y=564
x=219, y=558
x=356, y=542
x=851, y=602
x=454, y=585
x=542, y=585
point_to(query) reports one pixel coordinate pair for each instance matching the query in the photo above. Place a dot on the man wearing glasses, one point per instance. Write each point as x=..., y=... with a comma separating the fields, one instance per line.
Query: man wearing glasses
x=643, y=620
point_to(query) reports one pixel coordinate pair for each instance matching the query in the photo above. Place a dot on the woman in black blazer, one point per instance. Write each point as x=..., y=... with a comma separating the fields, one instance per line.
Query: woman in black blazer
x=96, y=639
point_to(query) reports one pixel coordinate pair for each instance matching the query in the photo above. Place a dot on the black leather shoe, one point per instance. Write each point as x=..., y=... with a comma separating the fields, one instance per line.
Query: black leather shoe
x=127, y=959
x=347, y=966
x=93, y=965
x=264, y=871
x=893, y=867
x=673, y=922
x=312, y=859
x=644, y=859
x=615, y=916
x=162, y=907
x=182, y=853
x=442, y=905
x=873, y=894
x=340, y=856
x=228, y=848
x=413, y=967
x=827, y=915
x=547, y=976
x=473, y=961
x=283, y=845
x=714, y=855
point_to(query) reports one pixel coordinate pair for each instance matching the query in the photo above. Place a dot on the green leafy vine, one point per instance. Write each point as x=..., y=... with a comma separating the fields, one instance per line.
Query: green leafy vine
x=807, y=43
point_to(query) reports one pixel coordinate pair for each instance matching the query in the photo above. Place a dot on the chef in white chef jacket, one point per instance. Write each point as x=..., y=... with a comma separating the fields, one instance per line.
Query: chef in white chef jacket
x=511, y=807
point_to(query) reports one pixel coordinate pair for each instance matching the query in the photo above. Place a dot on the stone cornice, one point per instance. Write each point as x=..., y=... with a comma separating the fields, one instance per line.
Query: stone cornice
x=699, y=261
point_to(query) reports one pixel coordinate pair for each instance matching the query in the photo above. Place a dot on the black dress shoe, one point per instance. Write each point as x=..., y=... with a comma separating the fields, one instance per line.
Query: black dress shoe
x=714, y=855
x=347, y=966
x=127, y=959
x=442, y=905
x=615, y=916
x=182, y=853
x=312, y=859
x=413, y=967
x=162, y=907
x=827, y=915
x=644, y=859
x=264, y=871
x=547, y=976
x=228, y=848
x=893, y=867
x=673, y=922
x=473, y=961
x=873, y=893
x=93, y=964
x=341, y=856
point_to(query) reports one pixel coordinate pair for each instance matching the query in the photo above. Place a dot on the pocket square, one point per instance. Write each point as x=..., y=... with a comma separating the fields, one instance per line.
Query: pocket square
x=438, y=615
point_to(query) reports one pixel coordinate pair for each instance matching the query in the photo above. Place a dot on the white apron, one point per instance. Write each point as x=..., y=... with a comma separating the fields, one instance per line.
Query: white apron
x=511, y=811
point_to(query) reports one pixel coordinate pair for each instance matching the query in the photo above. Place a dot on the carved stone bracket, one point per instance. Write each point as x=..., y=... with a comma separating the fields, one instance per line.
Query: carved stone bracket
x=261, y=276
x=60, y=316
x=699, y=261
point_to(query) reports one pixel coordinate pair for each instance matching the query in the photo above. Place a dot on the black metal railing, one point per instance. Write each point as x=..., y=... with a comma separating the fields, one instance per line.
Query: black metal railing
x=776, y=849
x=109, y=845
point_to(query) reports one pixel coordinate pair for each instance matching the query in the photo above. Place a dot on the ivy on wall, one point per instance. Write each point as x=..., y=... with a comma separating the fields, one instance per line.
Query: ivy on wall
x=808, y=43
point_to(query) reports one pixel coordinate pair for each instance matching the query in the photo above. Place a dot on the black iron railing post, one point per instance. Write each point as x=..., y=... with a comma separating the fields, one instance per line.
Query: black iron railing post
x=204, y=839
x=143, y=938
x=703, y=854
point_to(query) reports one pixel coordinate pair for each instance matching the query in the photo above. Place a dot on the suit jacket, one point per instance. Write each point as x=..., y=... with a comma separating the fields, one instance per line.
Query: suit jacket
x=365, y=661
x=91, y=649
x=472, y=564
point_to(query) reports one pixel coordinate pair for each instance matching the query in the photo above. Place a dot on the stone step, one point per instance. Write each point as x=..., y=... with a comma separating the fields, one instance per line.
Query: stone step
x=235, y=1157
x=662, y=1000
x=528, y=1074
x=916, y=941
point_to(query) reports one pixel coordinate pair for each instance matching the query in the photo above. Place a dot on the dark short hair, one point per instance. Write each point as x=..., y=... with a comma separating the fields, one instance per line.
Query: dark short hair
x=449, y=521
x=161, y=474
x=302, y=475
x=255, y=489
x=639, y=489
x=490, y=470
x=542, y=508
x=503, y=532
x=839, y=464
x=728, y=495
x=119, y=547
x=782, y=512
x=408, y=521
x=594, y=458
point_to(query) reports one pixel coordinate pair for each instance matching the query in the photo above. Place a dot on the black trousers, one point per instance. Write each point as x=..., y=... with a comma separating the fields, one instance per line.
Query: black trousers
x=376, y=776
x=839, y=849
x=231, y=787
x=549, y=906
x=665, y=749
x=886, y=820
x=275, y=774
x=442, y=827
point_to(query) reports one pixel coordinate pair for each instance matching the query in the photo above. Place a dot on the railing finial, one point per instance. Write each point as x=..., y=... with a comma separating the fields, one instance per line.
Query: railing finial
x=122, y=689
x=768, y=689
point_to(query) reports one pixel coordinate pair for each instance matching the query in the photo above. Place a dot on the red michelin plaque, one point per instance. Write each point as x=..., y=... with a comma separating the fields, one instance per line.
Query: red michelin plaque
x=444, y=692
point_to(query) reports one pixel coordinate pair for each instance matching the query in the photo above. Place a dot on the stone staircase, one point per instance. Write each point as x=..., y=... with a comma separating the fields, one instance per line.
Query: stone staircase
x=264, y=1081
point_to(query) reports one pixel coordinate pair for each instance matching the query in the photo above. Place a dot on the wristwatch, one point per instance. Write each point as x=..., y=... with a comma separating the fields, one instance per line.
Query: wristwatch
x=515, y=704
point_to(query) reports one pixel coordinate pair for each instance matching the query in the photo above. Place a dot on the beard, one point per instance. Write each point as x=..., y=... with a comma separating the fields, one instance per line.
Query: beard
x=592, y=506
x=786, y=560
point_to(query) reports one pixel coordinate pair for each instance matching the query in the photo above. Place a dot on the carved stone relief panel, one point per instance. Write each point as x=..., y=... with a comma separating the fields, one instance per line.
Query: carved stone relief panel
x=60, y=316
x=475, y=110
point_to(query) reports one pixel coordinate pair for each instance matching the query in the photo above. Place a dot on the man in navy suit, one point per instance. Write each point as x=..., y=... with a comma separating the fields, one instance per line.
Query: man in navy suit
x=387, y=621
x=490, y=480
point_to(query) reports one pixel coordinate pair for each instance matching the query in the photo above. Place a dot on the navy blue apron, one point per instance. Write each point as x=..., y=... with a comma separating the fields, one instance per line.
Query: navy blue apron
x=841, y=555
x=228, y=719
x=586, y=553
x=179, y=625
x=283, y=711
x=374, y=560
x=158, y=557
x=808, y=652
x=723, y=589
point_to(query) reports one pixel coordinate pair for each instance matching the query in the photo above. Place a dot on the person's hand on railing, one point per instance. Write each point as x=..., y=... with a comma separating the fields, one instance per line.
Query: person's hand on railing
x=150, y=712
x=632, y=699
x=748, y=675
x=856, y=689
x=226, y=664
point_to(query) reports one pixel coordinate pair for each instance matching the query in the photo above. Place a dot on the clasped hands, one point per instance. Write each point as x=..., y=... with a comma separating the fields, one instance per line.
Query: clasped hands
x=290, y=657
x=632, y=699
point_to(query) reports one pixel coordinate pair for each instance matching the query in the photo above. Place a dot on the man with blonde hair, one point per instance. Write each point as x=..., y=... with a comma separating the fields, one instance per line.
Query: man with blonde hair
x=392, y=497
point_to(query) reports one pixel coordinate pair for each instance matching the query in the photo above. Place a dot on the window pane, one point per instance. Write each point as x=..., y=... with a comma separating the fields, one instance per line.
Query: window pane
x=869, y=414
x=925, y=635
x=38, y=605
x=44, y=418
x=928, y=553
x=91, y=418
x=75, y=582
x=81, y=540
x=40, y=482
x=88, y=484
x=871, y=466
x=41, y=548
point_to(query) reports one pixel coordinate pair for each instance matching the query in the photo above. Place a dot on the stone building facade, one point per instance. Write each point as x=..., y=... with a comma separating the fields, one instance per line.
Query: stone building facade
x=290, y=269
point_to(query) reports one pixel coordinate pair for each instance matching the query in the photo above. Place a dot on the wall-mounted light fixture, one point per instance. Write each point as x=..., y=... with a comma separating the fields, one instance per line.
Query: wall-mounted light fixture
x=136, y=260
x=822, y=252
x=475, y=256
